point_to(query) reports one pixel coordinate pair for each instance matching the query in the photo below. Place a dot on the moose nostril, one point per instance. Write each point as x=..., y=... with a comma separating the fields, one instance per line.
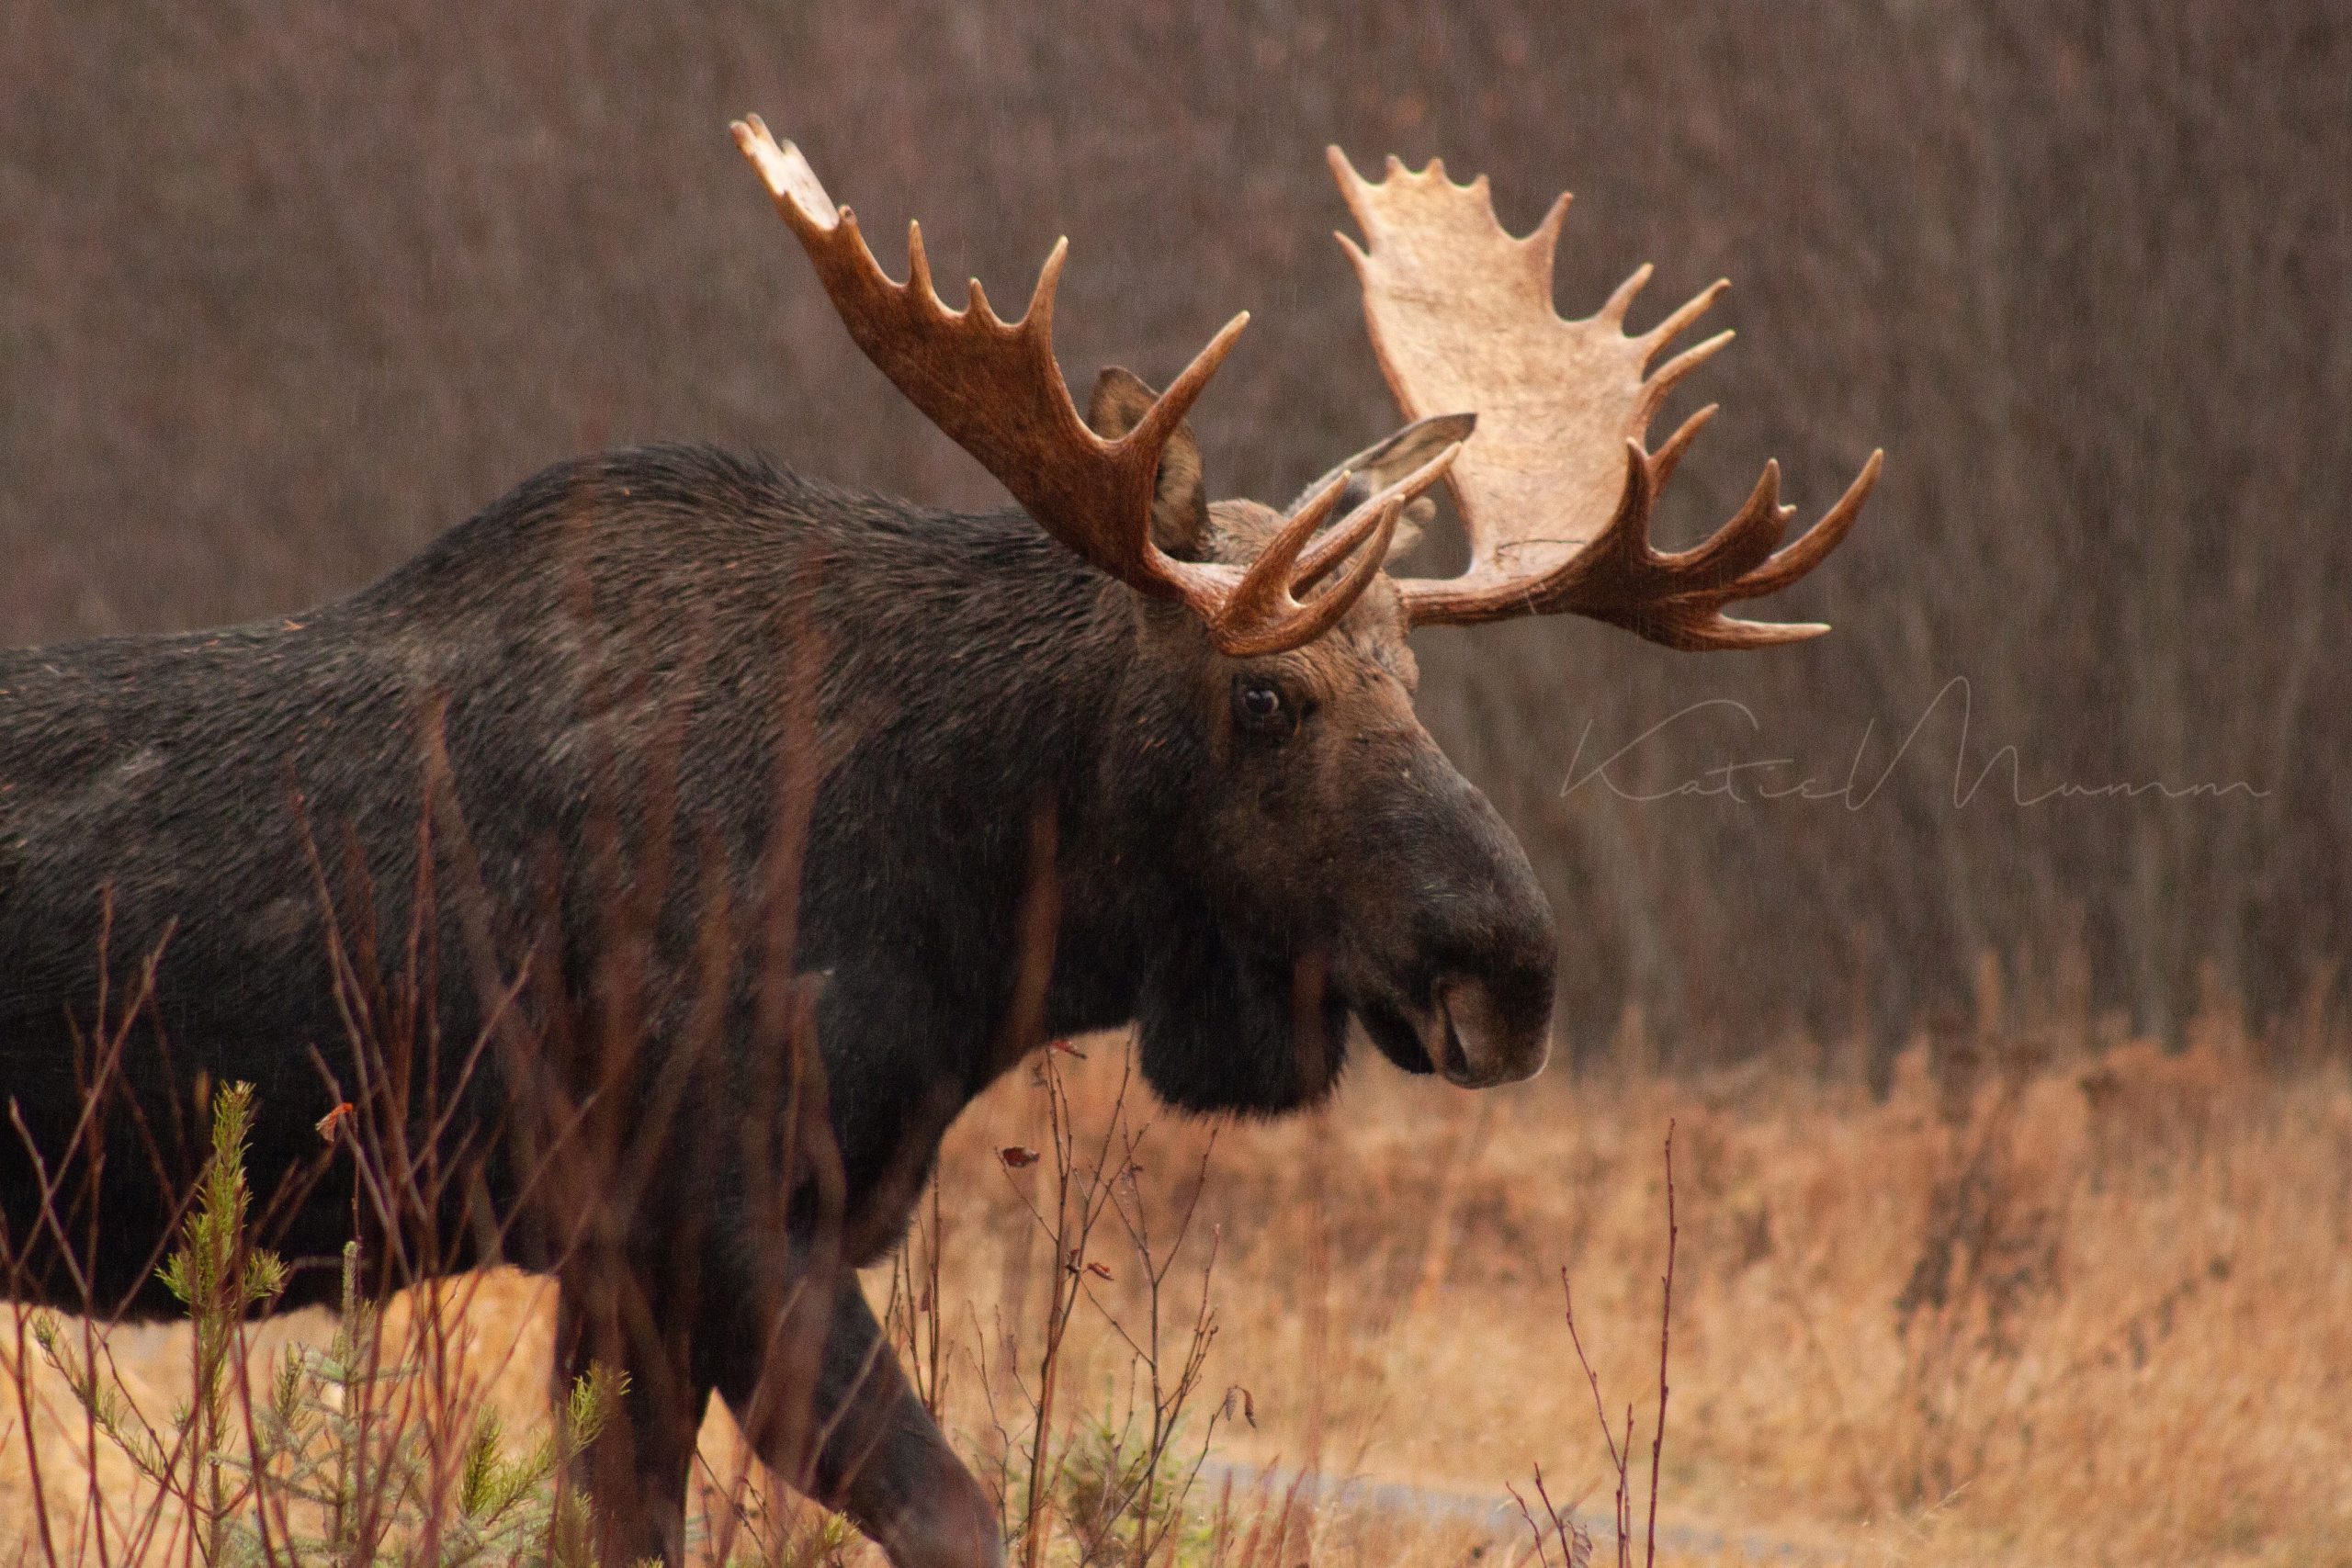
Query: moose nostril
x=1457, y=1056
x=1488, y=1041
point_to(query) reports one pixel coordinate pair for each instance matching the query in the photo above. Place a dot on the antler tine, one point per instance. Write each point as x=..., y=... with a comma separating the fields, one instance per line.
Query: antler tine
x=1169, y=410
x=1813, y=547
x=1621, y=300
x=995, y=388
x=1556, y=488
x=1670, y=375
x=1688, y=615
x=1670, y=456
x=1739, y=546
x=1621, y=562
x=1269, y=593
x=1305, y=521
x=1682, y=315
x=1267, y=596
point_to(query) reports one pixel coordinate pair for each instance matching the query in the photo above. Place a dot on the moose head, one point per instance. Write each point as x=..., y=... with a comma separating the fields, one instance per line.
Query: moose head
x=1339, y=863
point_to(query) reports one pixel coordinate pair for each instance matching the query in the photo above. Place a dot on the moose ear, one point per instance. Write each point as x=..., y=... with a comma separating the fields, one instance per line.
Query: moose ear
x=1384, y=462
x=1180, y=506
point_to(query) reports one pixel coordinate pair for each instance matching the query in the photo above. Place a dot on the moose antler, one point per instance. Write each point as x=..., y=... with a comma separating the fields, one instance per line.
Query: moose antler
x=1555, y=488
x=993, y=386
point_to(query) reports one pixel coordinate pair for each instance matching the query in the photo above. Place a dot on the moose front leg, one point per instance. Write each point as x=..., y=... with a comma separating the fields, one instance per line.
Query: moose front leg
x=637, y=1470
x=855, y=1437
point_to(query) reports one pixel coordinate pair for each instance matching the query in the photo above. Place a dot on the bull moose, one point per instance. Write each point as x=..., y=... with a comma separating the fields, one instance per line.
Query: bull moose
x=745, y=829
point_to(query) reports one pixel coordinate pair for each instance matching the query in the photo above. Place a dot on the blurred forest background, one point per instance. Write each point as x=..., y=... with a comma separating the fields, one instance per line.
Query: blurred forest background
x=288, y=288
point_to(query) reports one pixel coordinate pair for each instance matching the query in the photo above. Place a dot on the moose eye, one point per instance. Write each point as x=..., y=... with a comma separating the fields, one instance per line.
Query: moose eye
x=1258, y=705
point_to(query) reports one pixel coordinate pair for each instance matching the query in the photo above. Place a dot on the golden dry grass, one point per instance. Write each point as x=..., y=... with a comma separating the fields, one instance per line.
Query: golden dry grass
x=2014, y=1312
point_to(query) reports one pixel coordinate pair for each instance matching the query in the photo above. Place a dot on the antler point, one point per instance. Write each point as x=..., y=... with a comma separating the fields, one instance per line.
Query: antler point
x=1620, y=298
x=1546, y=232
x=917, y=262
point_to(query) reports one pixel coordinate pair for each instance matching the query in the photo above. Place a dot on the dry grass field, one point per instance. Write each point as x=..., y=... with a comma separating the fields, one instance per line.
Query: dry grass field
x=2037, y=1303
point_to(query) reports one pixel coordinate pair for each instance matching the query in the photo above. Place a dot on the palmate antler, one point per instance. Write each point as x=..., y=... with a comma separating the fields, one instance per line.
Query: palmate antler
x=994, y=387
x=1555, y=488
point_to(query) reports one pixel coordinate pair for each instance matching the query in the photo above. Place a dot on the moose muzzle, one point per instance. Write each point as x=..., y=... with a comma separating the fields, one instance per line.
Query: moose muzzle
x=1469, y=951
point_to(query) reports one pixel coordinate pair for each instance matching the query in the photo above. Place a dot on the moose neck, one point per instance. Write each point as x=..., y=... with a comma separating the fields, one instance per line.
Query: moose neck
x=983, y=674
x=996, y=860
